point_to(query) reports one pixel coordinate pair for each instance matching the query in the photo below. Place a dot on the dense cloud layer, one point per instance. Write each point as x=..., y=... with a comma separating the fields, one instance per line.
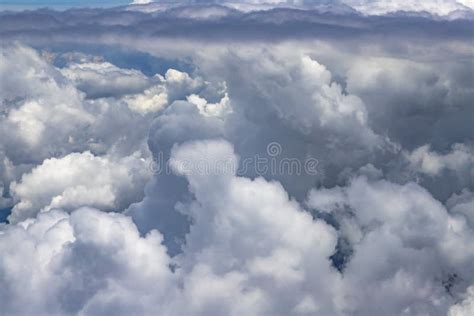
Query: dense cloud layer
x=244, y=158
x=368, y=7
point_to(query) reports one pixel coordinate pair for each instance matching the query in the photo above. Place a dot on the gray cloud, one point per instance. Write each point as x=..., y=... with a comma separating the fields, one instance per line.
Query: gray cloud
x=103, y=159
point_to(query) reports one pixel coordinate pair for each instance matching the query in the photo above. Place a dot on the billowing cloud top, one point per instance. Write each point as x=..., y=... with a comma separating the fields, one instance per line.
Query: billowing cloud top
x=238, y=158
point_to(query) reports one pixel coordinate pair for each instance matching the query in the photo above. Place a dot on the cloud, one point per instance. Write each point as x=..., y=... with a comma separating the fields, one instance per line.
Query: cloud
x=431, y=163
x=249, y=241
x=180, y=122
x=102, y=79
x=405, y=246
x=132, y=147
x=42, y=109
x=292, y=99
x=80, y=179
x=151, y=100
x=247, y=116
x=66, y=241
x=378, y=7
x=368, y=7
x=462, y=204
x=83, y=260
x=423, y=94
x=175, y=85
x=45, y=116
x=211, y=109
x=465, y=307
x=141, y=1
x=229, y=214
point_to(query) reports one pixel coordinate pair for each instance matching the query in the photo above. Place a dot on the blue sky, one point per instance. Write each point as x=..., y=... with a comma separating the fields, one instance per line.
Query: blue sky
x=60, y=3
